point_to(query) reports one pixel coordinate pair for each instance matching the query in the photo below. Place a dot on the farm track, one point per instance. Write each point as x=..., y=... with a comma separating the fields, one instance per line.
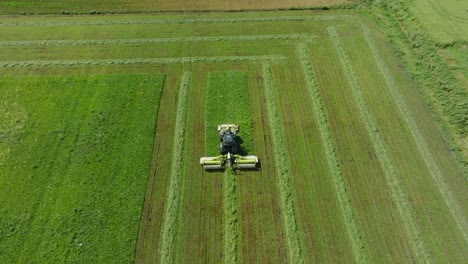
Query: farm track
x=338, y=182
x=176, y=191
x=421, y=143
x=153, y=207
x=395, y=184
x=287, y=199
x=155, y=40
x=12, y=64
x=178, y=21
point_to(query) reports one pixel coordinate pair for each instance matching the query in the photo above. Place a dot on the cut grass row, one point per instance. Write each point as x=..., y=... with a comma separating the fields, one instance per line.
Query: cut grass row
x=50, y=63
x=175, y=192
x=421, y=143
x=396, y=188
x=72, y=183
x=287, y=198
x=154, y=40
x=341, y=17
x=339, y=184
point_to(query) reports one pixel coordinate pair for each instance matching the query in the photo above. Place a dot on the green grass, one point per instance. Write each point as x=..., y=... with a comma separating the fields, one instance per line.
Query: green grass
x=171, y=216
x=227, y=103
x=444, y=20
x=339, y=121
x=397, y=190
x=283, y=168
x=75, y=158
x=329, y=145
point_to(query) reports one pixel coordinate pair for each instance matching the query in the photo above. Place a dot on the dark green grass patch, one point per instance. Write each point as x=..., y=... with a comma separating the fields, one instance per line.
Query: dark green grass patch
x=228, y=103
x=75, y=157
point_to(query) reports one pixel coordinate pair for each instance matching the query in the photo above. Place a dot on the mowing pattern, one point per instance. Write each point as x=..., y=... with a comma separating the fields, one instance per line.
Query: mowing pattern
x=327, y=141
x=422, y=145
x=174, y=199
x=152, y=40
x=224, y=105
x=396, y=188
x=236, y=69
x=283, y=175
x=12, y=64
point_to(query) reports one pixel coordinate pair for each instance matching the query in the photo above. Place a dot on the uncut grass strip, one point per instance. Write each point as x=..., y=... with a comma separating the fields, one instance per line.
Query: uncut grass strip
x=45, y=63
x=396, y=188
x=333, y=164
x=231, y=215
x=174, y=198
x=179, y=21
x=287, y=199
x=437, y=175
x=154, y=40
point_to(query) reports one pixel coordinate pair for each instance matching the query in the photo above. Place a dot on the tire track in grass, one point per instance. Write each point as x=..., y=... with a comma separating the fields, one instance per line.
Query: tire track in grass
x=48, y=63
x=396, y=188
x=174, y=198
x=287, y=199
x=78, y=42
x=360, y=255
x=444, y=188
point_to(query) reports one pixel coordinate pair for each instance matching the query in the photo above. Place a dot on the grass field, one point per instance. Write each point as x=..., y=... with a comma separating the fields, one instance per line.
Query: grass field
x=353, y=166
x=120, y=6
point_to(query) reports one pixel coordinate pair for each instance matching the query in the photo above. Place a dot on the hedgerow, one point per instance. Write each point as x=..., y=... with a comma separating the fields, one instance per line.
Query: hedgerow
x=444, y=95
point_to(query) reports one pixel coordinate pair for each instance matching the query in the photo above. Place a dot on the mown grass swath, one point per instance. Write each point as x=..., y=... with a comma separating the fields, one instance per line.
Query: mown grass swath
x=175, y=193
x=287, y=198
x=227, y=102
x=178, y=21
x=340, y=186
x=396, y=188
x=153, y=40
x=49, y=63
x=421, y=143
x=74, y=165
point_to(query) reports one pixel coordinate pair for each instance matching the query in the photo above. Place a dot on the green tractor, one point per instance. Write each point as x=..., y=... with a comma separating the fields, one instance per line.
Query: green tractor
x=228, y=148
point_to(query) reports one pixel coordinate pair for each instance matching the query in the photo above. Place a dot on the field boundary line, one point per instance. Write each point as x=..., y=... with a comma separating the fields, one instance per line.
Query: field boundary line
x=421, y=143
x=287, y=199
x=152, y=40
x=231, y=216
x=396, y=187
x=179, y=21
x=49, y=63
x=352, y=228
x=174, y=198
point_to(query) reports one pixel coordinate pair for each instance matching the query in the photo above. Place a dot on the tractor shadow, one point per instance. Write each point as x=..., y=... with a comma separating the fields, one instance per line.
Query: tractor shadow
x=240, y=150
